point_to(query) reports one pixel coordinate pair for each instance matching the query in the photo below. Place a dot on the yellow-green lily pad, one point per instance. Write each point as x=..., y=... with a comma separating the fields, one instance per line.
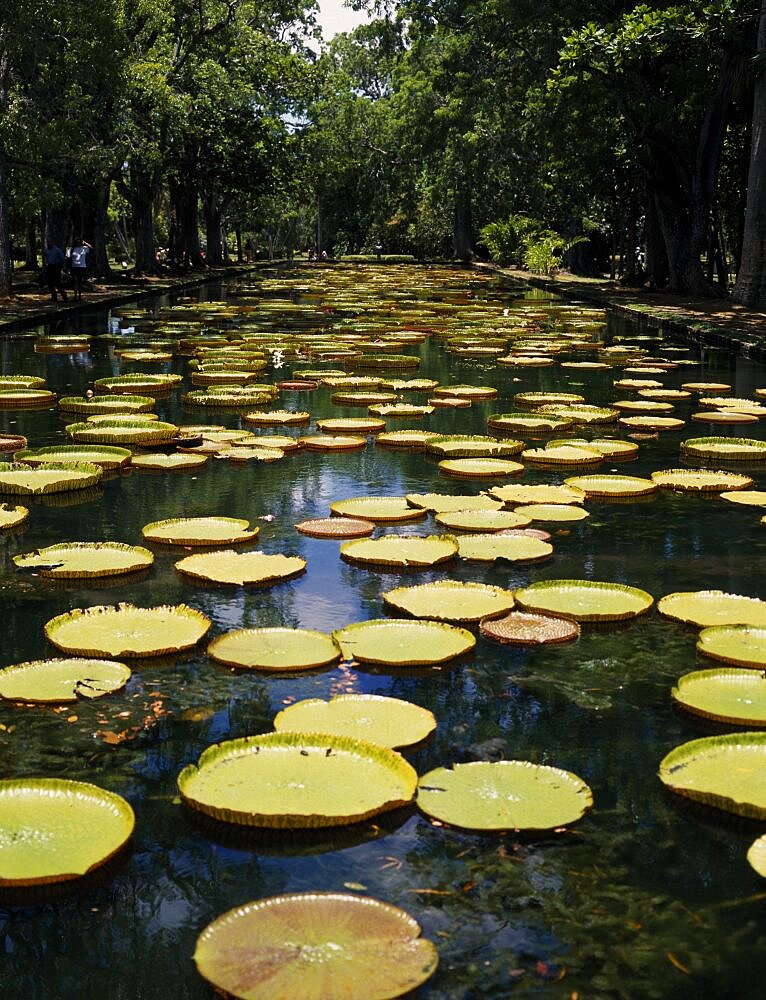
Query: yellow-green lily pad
x=81, y=560
x=403, y=643
x=275, y=649
x=440, y=503
x=513, y=548
x=380, y=510
x=55, y=477
x=200, y=531
x=700, y=480
x=584, y=600
x=389, y=722
x=537, y=494
x=713, y=607
x=740, y=645
x=450, y=600
x=724, y=694
x=12, y=515
x=483, y=520
x=127, y=630
x=241, y=568
x=406, y=551
x=612, y=486
x=559, y=512
x=480, y=468
x=62, y=680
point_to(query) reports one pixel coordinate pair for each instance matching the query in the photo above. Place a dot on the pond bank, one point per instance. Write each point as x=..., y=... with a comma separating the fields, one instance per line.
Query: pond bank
x=30, y=307
x=706, y=322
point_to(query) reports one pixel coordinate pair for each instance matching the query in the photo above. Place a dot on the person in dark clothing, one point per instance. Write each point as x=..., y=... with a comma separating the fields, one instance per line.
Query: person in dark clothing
x=54, y=259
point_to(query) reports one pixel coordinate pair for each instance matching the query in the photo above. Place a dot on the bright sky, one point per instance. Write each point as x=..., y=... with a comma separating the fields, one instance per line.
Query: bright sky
x=334, y=17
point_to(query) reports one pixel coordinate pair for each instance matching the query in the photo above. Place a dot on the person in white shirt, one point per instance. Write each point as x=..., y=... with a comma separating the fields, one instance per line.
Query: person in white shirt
x=78, y=264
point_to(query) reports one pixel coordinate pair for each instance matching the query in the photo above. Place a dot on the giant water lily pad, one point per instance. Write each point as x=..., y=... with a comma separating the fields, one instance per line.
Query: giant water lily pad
x=275, y=649
x=406, y=551
x=380, y=510
x=584, y=600
x=480, y=468
x=538, y=494
x=200, y=531
x=700, y=480
x=747, y=498
x=12, y=515
x=713, y=607
x=450, y=600
x=174, y=462
x=581, y=413
x=552, y=512
x=533, y=422
x=315, y=946
x=297, y=780
x=514, y=548
x=52, y=830
x=54, y=477
x=728, y=772
x=62, y=680
x=504, y=795
x=107, y=404
x=277, y=418
x=333, y=442
x=409, y=438
x=336, y=527
x=727, y=449
x=22, y=399
x=756, y=854
x=536, y=399
x=522, y=628
x=725, y=694
x=563, y=455
x=389, y=722
x=241, y=568
x=123, y=430
x=483, y=520
x=351, y=425
x=608, y=447
x=472, y=446
x=741, y=645
x=612, y=486
x=127, y=630
x=441, y=503
x=143, y=384
x=403, y=643
x=90, y=454
x=80, y=560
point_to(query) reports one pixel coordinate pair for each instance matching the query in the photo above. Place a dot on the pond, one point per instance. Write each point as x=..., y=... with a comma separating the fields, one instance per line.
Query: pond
x=643, y=898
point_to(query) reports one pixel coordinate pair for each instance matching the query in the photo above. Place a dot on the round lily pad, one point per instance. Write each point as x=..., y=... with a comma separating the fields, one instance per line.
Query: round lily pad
x=504, y=795
x=728, y=772
x=483, y=520
x=336, y=527
x=22, y=399
x=725, y=694
x=53, y=477
x=407, y=551
x=91, y=454
x=652, y=423
x=174, y=462
x=277, y=418
x=275, y=649
x=584, y=600
x=480, y=468
x=741, y=645
x=389, y=722
x=403, y=643
x=333, y=442
x=536, y=399
x=522, y=628
x=149, y=385
x=410, y=438
x=581, y=413
x=747, y=498
x=609, y=447
x=560, y=512
x=756, y=854
x=107, y=404
x=713, y=607
x=441, y=503
x=241, y=568
x=728, y=449
x=297, y=780
x=200, y=531
x=62, y=680
x=380, y=510
x=295, y=945
x=450, y=600
x=10, y=443
x=12, y=515
x=612, y=486
x=53, y=830
x=126, y=630
x=476, y=392
x=534, y=422
x=400, y=410
x=351, y=425
x=537, y=494
x=726, y=417
x=81, y=560
x=700, y=480
x=563, y=455
x=513, y=548
x=472, y=446
x=123, y=430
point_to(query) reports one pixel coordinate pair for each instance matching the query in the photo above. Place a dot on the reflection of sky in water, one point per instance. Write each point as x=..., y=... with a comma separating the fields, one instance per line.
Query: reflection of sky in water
x=599, y=706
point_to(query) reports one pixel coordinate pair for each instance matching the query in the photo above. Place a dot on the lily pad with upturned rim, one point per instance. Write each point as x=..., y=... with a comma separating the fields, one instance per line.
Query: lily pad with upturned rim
x=563, y=455
x=480, y=468
x=53, y=477
x=512, y=548
x=297, y=781
x=175, y=462
x=90, y=454
x=504, y=795
x=522, y=628
x=406, y=551
x=227, y=566
x=746, y=498
x=610, y=448
x=700, y=480
x=277, y=649
x=450, y=600
x=441, y=503
x=726, y=449
x=554, y=512
x=403, y=643
x=62, y=679
x=380, y=510
x=606, y=485
x=12, y=515
x=727, y=772
x=85, y=560
x=724, y=694
x=127, y=630
x=756, y=855
x=200, y=531
x=472, y=446
x=542, y=493
x=740, y=645
x=584, y=600
x=336, y=527
x=482, y=520
x=713, y=607
x=314, y=946
x=54, y=830
x=389, y=722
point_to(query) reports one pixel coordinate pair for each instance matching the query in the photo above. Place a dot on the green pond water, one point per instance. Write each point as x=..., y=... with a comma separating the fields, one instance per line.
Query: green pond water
x=643, y=898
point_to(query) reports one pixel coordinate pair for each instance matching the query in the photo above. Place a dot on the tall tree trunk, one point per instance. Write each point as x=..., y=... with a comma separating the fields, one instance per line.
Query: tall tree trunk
x=238, y=240
x=141, y=195
x=656, y=255
x=6, y=259
x=462, y=229
x=212, y=211
x=750, y=289
x=94, y=222
x=31, y=262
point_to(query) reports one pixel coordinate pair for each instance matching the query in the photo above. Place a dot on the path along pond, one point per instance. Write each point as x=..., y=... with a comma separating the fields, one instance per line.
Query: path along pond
x=642, y=898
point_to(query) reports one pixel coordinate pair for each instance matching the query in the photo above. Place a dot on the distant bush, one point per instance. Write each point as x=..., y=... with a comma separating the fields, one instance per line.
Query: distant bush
x=522, y=240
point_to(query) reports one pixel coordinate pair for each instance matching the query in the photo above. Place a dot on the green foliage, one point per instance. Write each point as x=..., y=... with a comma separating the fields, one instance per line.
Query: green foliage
x=522, y=240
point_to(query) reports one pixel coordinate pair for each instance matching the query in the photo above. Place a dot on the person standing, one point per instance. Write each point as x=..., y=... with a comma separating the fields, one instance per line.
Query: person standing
x=78, y=264
x=54, y=259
